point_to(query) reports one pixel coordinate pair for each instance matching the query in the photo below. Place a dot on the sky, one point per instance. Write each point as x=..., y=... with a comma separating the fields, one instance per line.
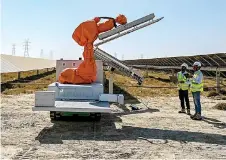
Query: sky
x=189, y=27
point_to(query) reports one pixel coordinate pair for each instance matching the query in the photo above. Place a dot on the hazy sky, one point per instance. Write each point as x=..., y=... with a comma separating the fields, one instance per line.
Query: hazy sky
x=189, y=27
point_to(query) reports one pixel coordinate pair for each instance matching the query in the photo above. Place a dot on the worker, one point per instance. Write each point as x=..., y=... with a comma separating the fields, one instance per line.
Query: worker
x=183, y=86
x=196, y=89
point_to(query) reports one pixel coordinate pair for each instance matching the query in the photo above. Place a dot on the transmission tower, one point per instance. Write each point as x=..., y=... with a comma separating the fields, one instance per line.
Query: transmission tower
x=51, y=55
x=41, y=54
x=115, y=55
x=141, y=56
x=14, y=50
x=123, y=57
x=26, y=45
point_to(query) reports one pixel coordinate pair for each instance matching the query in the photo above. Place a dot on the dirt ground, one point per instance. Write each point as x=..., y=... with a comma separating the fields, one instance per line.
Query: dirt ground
x=156, y=131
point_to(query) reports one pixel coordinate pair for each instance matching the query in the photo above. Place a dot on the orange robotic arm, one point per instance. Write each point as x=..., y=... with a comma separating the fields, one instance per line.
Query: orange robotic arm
x=85, y=35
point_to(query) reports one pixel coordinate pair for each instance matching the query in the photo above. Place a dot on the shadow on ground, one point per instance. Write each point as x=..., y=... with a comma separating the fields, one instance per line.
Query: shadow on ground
x=216, y=123
x=129, y=112
x=160, y=79
x=106, y=130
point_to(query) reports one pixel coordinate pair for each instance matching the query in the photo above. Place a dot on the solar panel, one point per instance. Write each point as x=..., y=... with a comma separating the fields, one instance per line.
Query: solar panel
x=11, y=63
x=117, y=64
x=126, y=26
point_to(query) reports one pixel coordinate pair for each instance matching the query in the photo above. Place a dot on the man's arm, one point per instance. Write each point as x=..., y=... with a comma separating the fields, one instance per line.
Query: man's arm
x=198, y=79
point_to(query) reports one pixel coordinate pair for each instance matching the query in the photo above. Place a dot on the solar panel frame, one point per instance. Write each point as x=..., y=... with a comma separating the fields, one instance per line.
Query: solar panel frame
x=210, y=62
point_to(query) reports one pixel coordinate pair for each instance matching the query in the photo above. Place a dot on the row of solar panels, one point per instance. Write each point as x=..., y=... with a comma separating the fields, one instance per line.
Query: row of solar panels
x=11, y=63
x=218, y=59
x=210, y=62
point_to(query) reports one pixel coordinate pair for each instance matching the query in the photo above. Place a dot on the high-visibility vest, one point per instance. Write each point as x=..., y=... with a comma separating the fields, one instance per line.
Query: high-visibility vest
x=195, y=87
x=183, y=85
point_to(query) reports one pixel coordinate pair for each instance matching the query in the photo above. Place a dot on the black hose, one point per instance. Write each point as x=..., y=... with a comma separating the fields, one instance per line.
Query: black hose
x=115, y=25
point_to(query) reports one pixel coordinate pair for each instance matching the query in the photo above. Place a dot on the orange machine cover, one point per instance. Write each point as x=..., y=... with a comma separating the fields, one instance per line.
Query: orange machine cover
x=85, y=35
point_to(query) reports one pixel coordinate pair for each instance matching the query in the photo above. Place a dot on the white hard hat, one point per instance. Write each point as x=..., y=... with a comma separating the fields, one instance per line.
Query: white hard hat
x=197, y=64
x=184, y=65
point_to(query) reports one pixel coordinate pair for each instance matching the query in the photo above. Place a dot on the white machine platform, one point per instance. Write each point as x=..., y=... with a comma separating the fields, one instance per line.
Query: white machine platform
x=75, y=99
x=77, y=106
x=79, y=92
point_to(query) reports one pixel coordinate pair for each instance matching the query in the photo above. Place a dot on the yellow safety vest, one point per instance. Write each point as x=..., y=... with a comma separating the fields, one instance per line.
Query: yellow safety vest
x=195, y=87
x=182, y=86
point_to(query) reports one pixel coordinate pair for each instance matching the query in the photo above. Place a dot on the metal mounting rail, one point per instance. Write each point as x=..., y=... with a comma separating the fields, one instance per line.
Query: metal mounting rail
x=126, y=26
x=117, y=64
x=125, y=30
x=210, y=68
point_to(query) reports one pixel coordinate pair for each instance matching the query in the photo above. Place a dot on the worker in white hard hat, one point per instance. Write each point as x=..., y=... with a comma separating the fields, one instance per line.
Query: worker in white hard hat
x=196, y=89
x=183, y=87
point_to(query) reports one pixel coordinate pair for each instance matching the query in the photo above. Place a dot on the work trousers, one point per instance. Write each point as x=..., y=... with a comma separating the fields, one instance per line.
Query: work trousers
x=183, y=95
x=196, y=98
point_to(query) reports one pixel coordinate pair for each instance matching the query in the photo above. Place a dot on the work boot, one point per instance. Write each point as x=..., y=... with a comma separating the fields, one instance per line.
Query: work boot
x=182, y=111
x=188, y=112
x=197, y=117
x=193, y=115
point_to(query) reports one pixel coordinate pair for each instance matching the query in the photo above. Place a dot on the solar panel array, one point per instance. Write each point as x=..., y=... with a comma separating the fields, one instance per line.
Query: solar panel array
x=210, y=62
x=11, y=63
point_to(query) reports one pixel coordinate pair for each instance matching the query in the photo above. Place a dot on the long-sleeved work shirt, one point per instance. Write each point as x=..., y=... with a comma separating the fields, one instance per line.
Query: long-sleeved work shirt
x=198, y=79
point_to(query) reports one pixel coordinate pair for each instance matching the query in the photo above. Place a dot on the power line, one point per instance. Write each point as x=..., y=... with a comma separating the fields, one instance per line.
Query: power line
x=14, y=50
x=26, y=45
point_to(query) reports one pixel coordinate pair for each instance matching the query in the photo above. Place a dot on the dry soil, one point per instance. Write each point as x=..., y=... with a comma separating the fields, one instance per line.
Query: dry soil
x=156, y=131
